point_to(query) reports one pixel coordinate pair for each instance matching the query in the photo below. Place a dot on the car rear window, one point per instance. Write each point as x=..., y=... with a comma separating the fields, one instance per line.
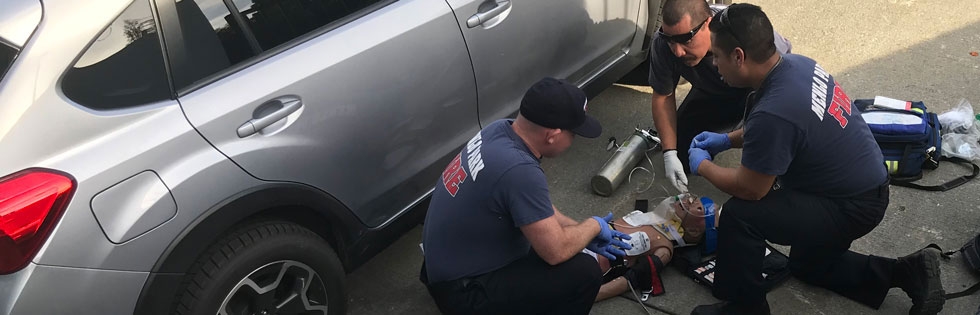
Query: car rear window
x=124, y=65
x=7, y=55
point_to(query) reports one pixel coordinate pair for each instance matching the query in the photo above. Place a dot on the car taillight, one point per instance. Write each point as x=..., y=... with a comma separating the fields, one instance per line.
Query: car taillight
x=31, y=202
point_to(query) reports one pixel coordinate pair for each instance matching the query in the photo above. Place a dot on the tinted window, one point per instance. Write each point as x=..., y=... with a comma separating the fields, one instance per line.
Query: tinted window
x=123, y=66
x=277, y=21
x=7, y=55
x=213, y=40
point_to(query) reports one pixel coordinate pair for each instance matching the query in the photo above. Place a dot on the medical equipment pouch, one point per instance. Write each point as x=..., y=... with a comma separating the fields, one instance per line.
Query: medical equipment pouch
x=909, y=138
x=775, y=270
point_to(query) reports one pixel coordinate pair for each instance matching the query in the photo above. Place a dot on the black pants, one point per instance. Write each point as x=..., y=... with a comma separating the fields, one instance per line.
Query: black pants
x=705, y=112
x=820, y=231
x=527, y=286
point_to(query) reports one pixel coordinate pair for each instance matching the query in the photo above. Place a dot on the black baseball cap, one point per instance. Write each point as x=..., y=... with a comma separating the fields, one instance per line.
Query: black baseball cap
x=553, y=103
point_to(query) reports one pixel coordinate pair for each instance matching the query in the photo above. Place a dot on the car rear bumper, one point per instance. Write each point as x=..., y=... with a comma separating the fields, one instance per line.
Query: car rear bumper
x=39, y=289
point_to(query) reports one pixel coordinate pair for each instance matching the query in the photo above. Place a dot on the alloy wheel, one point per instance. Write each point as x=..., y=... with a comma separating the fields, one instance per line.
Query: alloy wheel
x=281, y=287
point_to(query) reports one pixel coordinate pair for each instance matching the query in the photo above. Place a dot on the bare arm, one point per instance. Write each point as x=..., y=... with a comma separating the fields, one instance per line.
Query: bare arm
x=556, y=243
x=664, y=109
x=735, y=137
x=562, y=218
x=741, y=182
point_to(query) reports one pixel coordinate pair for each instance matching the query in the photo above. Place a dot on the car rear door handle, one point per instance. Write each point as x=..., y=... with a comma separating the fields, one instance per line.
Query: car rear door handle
x=480, y=18
x=254, y=125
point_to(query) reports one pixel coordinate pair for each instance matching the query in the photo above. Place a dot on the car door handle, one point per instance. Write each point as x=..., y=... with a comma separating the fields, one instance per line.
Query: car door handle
x=256, y=124
x=480, y=18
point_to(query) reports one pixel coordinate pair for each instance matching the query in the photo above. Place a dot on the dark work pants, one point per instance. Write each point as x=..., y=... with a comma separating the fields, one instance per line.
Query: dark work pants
x=705, y=112
x=527, y=286
x=820, y=231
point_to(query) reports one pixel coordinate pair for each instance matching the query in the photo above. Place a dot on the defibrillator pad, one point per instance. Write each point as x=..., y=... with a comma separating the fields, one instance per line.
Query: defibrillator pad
x=640, y=242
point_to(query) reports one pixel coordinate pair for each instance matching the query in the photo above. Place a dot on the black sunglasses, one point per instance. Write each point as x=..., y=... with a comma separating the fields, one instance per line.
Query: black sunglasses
x=684, y=37
x=724, y=20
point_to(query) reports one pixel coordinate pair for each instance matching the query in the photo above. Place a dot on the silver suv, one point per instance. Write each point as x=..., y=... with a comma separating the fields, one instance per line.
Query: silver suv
x=240, y=156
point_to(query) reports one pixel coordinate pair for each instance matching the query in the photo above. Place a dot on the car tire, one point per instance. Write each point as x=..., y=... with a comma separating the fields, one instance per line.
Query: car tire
x=262, y=266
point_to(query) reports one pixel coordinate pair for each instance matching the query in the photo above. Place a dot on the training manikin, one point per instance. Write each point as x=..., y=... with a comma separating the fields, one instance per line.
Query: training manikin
x=677, y=221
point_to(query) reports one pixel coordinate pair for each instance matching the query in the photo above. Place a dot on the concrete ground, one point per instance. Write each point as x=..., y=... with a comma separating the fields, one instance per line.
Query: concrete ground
x=906, y=49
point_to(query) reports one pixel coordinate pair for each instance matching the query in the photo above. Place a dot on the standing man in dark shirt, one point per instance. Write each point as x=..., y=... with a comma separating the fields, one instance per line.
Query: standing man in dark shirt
x=681, y=49
x=493, y=242
x=811, y=177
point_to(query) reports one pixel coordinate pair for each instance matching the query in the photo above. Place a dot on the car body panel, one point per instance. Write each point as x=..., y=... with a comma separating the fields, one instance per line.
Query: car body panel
x=388, y=97
x=133, y=207
x=542, y=38
x=102, y=148
x=58, y=290
x=386, y=100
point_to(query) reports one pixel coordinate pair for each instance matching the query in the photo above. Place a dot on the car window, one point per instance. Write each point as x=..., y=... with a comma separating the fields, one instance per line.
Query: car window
x=123, y=66
x=277, y=21
x=213, y=40
x=7, y=55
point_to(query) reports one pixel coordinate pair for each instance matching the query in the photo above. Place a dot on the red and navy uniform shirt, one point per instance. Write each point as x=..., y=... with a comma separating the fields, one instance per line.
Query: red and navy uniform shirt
x=802, y=128
x=491, y=189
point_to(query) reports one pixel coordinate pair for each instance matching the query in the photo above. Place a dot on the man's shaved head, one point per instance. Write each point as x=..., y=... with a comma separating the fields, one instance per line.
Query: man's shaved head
x=674, y=11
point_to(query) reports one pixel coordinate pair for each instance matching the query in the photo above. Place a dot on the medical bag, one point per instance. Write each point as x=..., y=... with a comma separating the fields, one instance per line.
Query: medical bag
x=910, y=140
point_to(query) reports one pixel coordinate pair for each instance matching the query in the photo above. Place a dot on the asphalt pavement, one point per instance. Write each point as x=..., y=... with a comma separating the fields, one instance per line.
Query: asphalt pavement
x=905, y=49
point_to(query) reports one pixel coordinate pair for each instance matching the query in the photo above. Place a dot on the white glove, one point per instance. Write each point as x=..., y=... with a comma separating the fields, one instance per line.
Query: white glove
x=675, y=171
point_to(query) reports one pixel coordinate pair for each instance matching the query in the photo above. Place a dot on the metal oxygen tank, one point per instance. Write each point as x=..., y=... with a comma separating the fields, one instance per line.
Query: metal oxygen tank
x=622, y=162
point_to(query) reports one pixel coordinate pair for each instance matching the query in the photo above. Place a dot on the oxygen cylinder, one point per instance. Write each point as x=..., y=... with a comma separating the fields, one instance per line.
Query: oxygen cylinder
x=622, y=162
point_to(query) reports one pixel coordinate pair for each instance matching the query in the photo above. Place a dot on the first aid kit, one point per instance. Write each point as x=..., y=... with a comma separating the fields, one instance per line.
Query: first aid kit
x=910, y=140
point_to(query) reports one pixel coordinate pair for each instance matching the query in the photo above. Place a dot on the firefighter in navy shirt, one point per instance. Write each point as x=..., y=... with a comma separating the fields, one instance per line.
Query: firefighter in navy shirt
x=811, y=176
x=681, y=49
x=492, y=240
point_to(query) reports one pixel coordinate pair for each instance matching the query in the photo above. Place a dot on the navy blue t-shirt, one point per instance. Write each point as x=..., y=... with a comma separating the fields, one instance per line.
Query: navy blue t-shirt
x=666, y=69
x=491, y=189
x=803, y=129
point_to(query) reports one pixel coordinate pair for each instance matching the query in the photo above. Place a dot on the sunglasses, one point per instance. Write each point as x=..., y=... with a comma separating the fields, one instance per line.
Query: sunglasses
x=682, y=38
x=724, y=20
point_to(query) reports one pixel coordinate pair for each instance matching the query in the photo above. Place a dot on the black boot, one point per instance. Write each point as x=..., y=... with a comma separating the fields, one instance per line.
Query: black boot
x=731, y=308
x=918, y=275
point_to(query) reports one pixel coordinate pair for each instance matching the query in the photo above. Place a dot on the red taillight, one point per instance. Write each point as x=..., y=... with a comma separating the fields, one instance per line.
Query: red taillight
x=31, y=201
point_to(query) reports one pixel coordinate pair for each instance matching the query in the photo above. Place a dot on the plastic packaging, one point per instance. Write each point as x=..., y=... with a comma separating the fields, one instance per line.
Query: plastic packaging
x=959, y=119
x=960, y=145
x=961, y=134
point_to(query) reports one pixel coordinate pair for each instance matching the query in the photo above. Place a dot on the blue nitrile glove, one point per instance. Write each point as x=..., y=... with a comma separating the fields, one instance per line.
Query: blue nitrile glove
x=607, y=241
x=713, y=142
x=609, y=250
x=607, y=234
x=695, y=156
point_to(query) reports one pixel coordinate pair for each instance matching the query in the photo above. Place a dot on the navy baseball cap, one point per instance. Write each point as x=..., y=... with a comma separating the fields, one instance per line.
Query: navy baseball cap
x=553, y=103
